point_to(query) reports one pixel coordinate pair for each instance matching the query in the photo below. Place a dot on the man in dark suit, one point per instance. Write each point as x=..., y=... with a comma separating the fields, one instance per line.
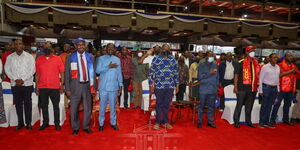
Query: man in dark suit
x=226, y=75
x=80, y=85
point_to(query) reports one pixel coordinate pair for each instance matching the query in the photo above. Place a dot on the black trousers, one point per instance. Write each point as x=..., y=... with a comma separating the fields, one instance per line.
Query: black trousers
x=180, y=94
x=222, y=98
x=244, y=98
x=44, y=96
x=22, y=98
x=126, y=83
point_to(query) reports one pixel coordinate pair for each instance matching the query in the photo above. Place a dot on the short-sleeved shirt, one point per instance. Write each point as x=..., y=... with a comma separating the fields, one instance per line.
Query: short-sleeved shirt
x=164, y=72
x=239, y=70
x=139, y=70
x=49, y=69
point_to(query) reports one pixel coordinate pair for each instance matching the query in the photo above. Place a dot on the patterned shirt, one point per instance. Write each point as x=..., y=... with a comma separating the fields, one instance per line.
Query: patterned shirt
x=183, y=74
x=164, y=72
x=127, y=67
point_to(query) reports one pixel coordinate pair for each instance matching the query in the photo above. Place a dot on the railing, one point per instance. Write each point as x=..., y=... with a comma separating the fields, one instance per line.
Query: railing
x=263, y=10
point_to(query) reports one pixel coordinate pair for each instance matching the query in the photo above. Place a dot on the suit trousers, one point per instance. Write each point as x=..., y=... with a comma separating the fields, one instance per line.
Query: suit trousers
x=209, y=100
x=138, y=93
x=126, y=83
x=22, y=98
x=269, y=96
x=163, y=101
x=180, y=94
x=287, y=97
x=54, y=96
x=111, y=98
x=244, y=98
x=82, y=92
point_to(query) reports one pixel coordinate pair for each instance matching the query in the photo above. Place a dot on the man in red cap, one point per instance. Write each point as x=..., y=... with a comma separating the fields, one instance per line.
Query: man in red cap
x=245, y=85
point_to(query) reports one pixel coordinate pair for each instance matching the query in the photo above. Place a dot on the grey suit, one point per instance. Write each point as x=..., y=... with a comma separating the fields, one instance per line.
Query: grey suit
x=79, y=91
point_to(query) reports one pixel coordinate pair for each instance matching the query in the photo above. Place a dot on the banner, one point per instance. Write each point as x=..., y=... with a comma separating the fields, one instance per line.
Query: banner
x=27, y=9
x=188, y=19
x=153, y=16
x=72, y=11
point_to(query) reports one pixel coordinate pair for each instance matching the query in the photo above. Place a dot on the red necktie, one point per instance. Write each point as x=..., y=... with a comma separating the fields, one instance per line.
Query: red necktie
x=83, y=68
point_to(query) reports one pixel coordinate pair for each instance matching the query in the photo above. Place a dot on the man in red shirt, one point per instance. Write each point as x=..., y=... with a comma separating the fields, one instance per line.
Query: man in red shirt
x=49, y=83
x=127, y=72
x=287, y=88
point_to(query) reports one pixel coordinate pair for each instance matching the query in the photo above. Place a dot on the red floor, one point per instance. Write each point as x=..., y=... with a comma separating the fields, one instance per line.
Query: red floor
x=184, y=136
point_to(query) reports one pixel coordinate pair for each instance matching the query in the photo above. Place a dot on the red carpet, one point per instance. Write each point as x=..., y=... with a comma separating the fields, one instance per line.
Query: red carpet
x=184, y=136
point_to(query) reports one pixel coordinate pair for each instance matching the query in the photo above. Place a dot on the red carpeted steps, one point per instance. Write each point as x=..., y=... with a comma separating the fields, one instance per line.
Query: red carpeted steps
x=134, y=135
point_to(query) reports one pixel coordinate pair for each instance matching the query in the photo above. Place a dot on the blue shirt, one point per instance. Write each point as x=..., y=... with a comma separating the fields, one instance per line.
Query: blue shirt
x=164, y=72
x=208, y=83
x=110, y=78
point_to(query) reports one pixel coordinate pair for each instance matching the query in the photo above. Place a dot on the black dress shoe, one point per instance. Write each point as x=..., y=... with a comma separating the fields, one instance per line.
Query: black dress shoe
x=115, y=127
x=293, y=121
x=273, y=122
x=236, y=125
x=88, y=131
x=270, y=125
x=199, y=125
x=29, y=127
x=211, y=125
x=19, y=127
x=44, y=126
x=288, y=123
x=101, y=128
x=251, y=125
x=57, y=127
x=75, y=132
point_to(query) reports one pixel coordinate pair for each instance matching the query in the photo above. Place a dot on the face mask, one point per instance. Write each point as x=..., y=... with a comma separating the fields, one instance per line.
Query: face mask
x=166, y=53
x=210, y=59
x=252, y=54
x=140, y=54
x=33, y=48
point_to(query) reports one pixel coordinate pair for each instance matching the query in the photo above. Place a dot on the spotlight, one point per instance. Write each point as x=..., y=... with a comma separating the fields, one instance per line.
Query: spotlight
x=185, y=8
x=86, y=2
x=221, y=12
x=244, y=16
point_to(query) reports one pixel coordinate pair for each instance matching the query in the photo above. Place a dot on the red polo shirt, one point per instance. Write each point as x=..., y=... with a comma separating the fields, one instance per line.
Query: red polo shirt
x=49, y=70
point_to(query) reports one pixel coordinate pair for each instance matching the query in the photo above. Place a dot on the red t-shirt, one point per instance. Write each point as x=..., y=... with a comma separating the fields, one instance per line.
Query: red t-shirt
x=49, y=70
x=4, y=57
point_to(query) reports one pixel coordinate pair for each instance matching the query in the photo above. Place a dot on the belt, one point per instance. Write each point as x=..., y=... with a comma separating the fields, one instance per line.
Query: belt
x=271, y=86
x=84, y=82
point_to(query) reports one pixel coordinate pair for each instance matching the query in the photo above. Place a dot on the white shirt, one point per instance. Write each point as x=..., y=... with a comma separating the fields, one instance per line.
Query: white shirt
x=148, y=60
x=269, y=75
x=229, y=71
x=80, y=69
x=20, y=67
x=187, y=62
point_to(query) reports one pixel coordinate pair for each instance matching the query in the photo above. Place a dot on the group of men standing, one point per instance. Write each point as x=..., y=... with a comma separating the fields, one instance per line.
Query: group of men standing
x=76, y=76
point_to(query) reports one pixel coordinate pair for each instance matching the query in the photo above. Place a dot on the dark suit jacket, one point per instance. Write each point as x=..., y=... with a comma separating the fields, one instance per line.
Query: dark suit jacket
x=72, y=84
x=222, y=69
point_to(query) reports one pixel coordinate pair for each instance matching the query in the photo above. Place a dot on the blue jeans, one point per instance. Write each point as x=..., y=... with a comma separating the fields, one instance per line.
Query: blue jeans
x=105, y=97
x=287, y=96
x=209, y=100
x=269, y=96
x=163, y=101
